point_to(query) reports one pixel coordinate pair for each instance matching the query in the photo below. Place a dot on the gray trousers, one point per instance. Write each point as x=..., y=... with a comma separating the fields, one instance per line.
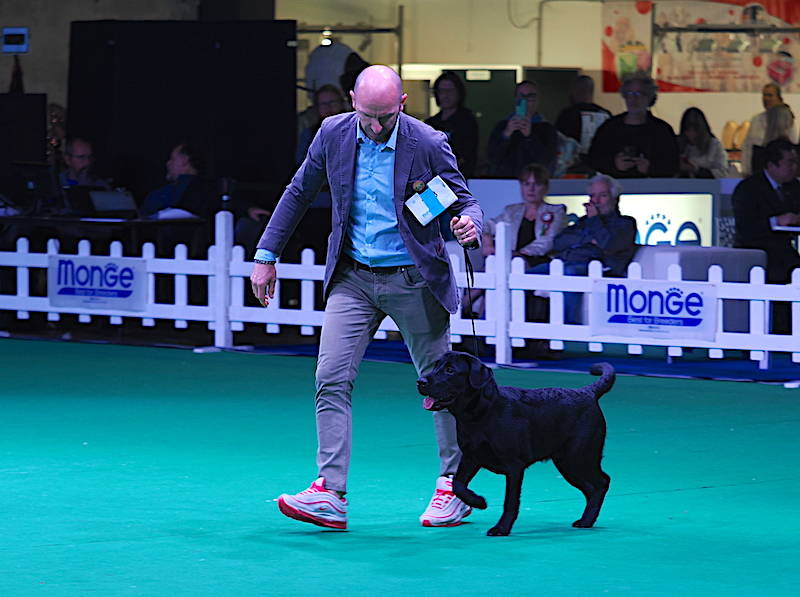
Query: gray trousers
x=358, y=302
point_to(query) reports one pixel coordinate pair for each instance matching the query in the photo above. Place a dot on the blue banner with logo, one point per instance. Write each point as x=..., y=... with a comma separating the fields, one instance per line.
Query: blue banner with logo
x=97, y=282
x=641, y=308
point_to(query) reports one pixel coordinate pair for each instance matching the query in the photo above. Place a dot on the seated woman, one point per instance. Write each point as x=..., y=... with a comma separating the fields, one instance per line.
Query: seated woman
x=702, y=154
x=533, y=224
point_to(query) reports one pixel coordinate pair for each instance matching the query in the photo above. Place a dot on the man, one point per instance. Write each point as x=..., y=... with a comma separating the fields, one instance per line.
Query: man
x=185, y=189
x=763, y=201
x=78, y=161
x=770, y=97
x=522, y=138
x=636, y=144
x=381, y=261
x=456, y=121
x=583, y=117
x=603, y=234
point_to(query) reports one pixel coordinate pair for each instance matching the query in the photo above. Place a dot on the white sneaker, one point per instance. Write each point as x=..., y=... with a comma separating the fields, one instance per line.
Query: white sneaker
x=316, y=505
x=444, y=509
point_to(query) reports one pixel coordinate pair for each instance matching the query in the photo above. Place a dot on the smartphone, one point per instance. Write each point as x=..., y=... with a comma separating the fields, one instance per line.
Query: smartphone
x=521, y=108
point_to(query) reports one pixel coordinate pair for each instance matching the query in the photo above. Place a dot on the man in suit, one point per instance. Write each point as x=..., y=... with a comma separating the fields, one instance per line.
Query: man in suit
x=761, y=202
x=381, y=261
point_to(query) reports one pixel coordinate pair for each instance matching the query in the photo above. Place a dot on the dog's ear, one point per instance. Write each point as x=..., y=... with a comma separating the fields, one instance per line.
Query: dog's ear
x=478, y=373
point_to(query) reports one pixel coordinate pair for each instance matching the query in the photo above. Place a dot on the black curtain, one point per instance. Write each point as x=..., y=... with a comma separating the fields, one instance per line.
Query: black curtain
x=138, y=88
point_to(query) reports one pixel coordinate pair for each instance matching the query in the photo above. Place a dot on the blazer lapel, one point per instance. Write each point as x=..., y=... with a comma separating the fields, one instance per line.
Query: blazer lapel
x=403, y=159
x=347, y=166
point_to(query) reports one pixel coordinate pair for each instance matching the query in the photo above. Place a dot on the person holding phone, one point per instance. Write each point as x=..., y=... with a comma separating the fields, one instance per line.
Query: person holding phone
x=523, y=137
x=636, y=144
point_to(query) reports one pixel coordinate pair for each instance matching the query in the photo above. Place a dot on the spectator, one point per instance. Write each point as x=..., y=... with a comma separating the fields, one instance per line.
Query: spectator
x=768, y=199
x=583, y=117
x=185, y=189
x=533, y=224
x=78, y=161
x=756, y=134
x=702, y=154
x=327, y=101
x=780, y=125
x=456, y=121
x=636, y=144
x=603, y=234
x=522, y=138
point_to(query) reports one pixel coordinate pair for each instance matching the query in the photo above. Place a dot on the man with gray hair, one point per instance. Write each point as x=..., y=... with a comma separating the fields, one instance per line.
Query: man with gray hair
x=603, y=235
x=636, y=144
x=381, y=261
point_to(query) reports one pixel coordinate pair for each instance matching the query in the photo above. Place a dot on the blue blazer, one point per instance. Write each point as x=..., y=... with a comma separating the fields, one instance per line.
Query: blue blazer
x=421, y=154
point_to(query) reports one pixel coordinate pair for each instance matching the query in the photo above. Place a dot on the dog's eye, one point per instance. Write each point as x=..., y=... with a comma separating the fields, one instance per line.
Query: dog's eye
x=449, y=370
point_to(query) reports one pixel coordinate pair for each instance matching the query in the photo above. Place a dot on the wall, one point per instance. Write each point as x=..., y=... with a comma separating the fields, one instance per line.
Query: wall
x=437, y=31
x=504, y=32
x=46, y=66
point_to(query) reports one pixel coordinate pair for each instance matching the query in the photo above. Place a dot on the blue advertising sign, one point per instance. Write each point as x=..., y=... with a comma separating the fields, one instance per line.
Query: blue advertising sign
x=635, y=308
x=97, y=282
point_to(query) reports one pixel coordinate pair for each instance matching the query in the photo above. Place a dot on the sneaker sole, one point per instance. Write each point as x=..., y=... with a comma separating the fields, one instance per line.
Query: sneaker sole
x=428, y=523
x=287, y=510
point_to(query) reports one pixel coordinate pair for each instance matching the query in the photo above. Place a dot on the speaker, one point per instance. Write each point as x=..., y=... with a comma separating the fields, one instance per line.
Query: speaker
x=23, y=131
x=139, y=88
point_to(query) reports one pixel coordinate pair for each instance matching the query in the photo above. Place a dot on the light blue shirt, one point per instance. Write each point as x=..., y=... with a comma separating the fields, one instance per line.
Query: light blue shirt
x=373, y=236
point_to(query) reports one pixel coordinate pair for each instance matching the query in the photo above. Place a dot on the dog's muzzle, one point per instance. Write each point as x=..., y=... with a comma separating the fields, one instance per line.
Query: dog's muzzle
x=429, y=402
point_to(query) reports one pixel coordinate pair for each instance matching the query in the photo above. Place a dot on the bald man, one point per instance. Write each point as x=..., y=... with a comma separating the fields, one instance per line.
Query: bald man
x=381, y=261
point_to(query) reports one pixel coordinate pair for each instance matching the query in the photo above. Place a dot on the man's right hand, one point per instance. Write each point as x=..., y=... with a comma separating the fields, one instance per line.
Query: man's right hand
x=624, y=162
x=788, y=219
x=263, y=281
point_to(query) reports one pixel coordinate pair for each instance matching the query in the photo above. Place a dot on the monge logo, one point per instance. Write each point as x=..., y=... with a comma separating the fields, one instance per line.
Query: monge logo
x=653, y=307
x=108, y=281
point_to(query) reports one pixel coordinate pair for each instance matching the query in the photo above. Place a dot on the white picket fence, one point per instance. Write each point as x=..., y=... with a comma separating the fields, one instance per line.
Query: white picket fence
x=227, y=269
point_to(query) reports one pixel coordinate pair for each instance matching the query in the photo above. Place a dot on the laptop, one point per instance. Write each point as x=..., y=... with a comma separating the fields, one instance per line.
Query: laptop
x=114, y=204
x=99, y=203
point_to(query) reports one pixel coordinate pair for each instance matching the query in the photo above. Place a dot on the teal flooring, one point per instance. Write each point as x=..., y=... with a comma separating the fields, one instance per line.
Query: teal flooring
x=152, y=472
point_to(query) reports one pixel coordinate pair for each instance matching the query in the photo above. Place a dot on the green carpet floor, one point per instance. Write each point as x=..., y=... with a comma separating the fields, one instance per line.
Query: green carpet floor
x=142, y=471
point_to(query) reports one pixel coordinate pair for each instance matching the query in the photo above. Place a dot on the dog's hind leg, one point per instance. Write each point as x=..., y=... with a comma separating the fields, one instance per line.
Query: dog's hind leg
x=467, y=469
x=592, y=482
x=510, y=504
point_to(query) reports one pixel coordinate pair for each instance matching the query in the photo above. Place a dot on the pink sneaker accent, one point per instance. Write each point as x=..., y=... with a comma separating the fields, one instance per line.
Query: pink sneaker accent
x=444, y=509
x=316, y=505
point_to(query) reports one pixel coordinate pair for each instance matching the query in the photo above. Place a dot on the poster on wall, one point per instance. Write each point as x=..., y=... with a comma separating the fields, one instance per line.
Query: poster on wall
x=736, y=60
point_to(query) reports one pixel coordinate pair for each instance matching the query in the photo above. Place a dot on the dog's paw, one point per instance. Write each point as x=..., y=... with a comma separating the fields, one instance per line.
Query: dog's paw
x=582, y=524
x=498, y=532
x=474, y=500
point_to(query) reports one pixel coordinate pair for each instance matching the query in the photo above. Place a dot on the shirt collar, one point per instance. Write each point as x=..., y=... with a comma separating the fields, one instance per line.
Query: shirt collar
x=771, y=180
x=391, y=143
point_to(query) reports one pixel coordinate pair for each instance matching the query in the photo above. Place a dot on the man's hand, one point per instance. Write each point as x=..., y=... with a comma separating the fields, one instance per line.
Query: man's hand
x=591, y=209
x=788, y=219
x=623, y=162
x=256, y=213
x=464, y=230
x=263, y=281
x=642, y=164
x=515, y=123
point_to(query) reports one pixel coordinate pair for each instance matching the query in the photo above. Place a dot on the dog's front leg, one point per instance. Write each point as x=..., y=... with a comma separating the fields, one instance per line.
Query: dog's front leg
x=510, y=504
x=467, y=469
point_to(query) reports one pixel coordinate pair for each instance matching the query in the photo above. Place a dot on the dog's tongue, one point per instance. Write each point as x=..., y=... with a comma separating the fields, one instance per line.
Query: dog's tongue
x=427, y=402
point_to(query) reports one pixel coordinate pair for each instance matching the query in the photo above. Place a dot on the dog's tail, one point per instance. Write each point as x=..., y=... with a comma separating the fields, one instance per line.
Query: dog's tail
x=607, y=378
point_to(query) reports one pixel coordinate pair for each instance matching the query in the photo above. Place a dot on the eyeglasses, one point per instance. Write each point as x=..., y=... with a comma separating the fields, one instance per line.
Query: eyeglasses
x=633, y=93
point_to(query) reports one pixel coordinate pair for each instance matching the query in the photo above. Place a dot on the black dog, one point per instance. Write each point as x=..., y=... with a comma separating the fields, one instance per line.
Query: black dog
x=506, y=429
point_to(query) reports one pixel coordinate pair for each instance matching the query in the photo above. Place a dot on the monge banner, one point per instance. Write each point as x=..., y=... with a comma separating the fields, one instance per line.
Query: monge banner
x=637, y=308
x=97, y=282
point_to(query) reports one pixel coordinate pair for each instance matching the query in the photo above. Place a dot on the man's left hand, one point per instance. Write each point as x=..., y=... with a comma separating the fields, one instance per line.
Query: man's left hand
x=464, y=230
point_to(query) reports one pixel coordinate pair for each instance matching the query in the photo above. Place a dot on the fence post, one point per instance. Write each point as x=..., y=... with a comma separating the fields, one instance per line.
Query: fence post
x=220, y=256
x=502, y=314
